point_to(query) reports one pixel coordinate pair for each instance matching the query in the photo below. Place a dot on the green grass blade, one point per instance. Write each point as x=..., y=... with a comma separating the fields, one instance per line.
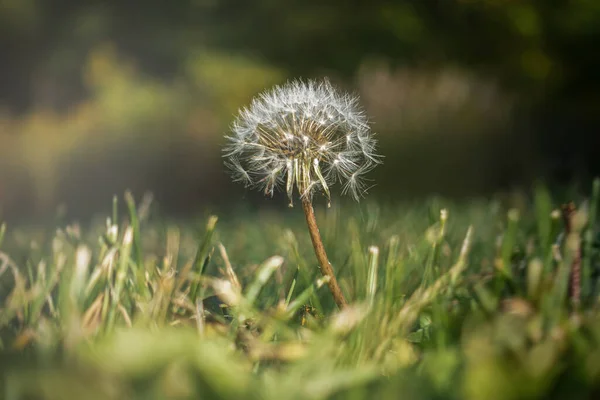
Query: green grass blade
x=543, y=210
x=508, y=244
x=304, y=297
x=202, y=254
x=120, y=277
x=393, y=270
x=115, y=210
x=135, y=225
x=372, y=274
x=292, y=287
x=264, y=273
x=2, y=232
x=586, y=277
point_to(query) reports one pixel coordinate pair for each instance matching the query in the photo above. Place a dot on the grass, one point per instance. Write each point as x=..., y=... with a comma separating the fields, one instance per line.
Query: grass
x=469, y=300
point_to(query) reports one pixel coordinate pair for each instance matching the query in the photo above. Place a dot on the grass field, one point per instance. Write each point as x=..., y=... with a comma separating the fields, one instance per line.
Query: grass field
x=474, y=300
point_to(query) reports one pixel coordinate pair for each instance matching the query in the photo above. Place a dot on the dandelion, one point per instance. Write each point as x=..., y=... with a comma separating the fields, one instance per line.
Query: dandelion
x=303, y=137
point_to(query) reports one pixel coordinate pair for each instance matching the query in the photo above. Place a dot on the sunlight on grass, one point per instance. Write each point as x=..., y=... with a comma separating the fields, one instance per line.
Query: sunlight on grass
x=446, y=300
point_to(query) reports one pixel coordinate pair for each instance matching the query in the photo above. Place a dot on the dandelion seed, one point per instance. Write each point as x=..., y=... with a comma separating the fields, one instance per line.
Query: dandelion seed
x=304, y=137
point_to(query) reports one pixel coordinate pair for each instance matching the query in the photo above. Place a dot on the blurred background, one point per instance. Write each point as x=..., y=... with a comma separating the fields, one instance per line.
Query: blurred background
x=468, y=97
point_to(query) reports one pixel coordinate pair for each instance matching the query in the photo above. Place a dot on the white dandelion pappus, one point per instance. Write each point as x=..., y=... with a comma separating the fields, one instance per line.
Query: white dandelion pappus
x=305, y=135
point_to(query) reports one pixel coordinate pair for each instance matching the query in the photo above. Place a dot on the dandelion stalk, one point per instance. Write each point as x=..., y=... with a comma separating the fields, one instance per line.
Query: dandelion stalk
x=303, y=138
x=324, y=263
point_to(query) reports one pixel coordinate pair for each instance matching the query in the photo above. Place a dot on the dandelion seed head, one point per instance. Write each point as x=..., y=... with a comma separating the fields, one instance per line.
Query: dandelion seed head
x=303, y=136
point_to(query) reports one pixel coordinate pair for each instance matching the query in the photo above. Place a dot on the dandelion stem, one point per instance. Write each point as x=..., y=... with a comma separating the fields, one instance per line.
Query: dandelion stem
x=324, y=264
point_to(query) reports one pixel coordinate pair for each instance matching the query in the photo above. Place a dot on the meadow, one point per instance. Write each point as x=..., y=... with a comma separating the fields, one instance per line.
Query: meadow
x=480, y=299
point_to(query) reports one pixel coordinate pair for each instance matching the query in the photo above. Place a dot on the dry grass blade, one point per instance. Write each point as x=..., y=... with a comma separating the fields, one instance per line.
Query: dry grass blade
x=229, y=272
x=91, y=319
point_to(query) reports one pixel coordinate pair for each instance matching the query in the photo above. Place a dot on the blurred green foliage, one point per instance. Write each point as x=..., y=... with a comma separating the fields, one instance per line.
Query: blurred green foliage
x=128, y=127
x=540, y=48
x=100, y=96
